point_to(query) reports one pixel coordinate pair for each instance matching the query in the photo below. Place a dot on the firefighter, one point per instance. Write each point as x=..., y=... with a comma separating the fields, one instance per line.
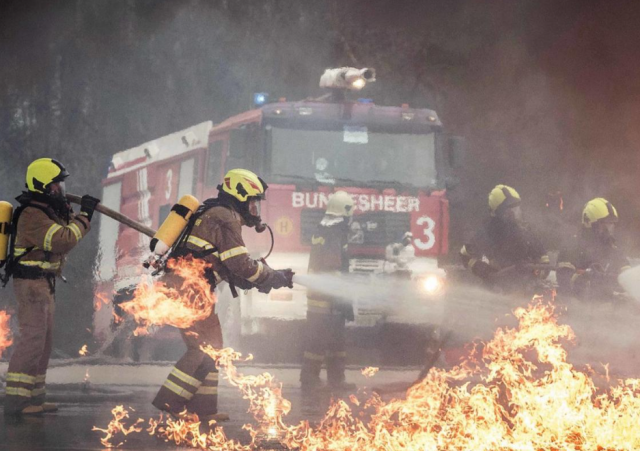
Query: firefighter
x=398, y=257
x=45, y=230
x=214, y=234
x=326, y=316
x=589, y=267
x=504, y=251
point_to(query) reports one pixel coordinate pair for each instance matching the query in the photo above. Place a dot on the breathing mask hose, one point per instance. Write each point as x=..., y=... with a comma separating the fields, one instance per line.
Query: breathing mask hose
x=261, y=228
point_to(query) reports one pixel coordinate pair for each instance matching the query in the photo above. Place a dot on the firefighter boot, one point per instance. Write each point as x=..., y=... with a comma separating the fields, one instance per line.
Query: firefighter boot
x=209, y=423
x=310, y=373
x=32, y=410
x=335, y=372
x=49, y=407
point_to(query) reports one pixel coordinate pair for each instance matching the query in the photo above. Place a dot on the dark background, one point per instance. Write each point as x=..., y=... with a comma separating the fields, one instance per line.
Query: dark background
x=546, y=92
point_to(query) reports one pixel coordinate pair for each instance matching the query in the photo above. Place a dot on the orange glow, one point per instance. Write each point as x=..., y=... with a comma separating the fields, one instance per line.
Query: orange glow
x=158, y=304
x=521, y=394
x=264, y=394
x=369, y=371
x=5, y=331
x=99, y=300
x=186, y=431
x=83, y=351
x=116, y=427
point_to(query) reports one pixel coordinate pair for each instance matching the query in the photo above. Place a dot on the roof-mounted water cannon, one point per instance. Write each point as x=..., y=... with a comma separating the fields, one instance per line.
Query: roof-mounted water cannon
x=350, y=78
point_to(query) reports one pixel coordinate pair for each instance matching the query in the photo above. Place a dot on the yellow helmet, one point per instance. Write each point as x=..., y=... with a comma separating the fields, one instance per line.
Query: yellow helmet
x=596, y=210
x=243, y=184
x=340, y=204
x=43, y=172
x=502, y=196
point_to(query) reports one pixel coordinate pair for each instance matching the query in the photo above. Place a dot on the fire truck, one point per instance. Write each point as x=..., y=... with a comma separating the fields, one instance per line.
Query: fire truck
x=395, y=161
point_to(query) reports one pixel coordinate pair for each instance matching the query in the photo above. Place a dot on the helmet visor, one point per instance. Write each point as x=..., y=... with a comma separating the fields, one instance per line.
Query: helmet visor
x=254, y=206
x=512, y=214
x=58, y=189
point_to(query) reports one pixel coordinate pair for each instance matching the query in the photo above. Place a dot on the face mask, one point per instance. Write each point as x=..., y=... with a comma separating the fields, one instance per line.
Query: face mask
x=58, y=191
x=605, y=233
x=63, y=189
x=252, y=213
x=512, y=215
x=254, y=207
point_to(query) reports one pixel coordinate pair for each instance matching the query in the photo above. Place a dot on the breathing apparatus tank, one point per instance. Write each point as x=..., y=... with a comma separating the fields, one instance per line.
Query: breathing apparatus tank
x=172, y=227
x=6, y=212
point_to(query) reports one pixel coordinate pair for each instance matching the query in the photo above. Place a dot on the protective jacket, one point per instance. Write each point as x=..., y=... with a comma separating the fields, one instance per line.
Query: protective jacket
x=589, y=267
x=43, y=238
x=217, y=238
x=329, y=256
x=499, y=245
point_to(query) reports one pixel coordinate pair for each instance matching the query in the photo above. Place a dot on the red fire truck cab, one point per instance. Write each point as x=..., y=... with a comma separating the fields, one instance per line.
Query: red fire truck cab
x=394, y=161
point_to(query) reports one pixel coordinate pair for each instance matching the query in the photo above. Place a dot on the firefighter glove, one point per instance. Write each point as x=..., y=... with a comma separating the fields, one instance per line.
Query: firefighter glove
x=280, y=278
x=283, y=278
x=88, y=205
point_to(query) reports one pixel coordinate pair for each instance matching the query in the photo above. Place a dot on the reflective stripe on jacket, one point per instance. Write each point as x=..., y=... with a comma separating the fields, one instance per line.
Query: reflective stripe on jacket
x=220, y=228
x=44, y=239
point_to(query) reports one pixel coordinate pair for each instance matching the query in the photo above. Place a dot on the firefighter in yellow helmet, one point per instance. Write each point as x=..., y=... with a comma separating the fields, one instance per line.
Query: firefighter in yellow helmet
x=589, y=266
x=505, y=253
x=324, y=340
x=45, y=229
x=214, y=233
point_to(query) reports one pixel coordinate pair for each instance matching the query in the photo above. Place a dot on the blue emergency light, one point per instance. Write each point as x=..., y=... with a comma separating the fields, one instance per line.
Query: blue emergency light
x=260, y=98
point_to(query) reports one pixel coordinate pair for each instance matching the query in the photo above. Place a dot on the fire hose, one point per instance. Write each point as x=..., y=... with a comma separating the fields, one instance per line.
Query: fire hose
x=116, y=216
x=136, y=225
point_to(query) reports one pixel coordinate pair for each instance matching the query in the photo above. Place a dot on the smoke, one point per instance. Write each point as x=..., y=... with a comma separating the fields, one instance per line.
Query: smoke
x=606, y=332
x=630, y=281
x=470, y=312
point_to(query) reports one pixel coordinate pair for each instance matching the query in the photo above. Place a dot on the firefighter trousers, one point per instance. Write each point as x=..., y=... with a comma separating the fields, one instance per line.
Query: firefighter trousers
x=324, y=342
x=28, y=365
x=192, y=383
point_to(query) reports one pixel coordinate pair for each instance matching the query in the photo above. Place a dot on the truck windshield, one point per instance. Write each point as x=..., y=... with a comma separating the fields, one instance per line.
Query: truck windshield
x=353, y=154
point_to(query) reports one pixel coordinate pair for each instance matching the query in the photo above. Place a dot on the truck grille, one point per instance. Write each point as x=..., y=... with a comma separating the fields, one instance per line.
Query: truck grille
x=366, y=265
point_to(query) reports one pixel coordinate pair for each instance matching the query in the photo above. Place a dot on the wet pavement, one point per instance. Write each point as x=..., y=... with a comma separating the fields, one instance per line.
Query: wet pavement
x=82, y=406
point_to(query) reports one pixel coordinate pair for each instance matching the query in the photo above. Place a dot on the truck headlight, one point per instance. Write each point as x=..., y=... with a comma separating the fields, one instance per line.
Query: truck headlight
x=431, y=284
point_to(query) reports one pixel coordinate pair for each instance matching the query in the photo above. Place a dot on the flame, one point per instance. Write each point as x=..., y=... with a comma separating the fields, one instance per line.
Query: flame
x=86, y=376
x=116, y=427
x=185, y=430
x=264, y=394
x=99, y=300
x=369, y=371
x=159, y=304
x=5, y=331
x=521, y=394
x=83, y=351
